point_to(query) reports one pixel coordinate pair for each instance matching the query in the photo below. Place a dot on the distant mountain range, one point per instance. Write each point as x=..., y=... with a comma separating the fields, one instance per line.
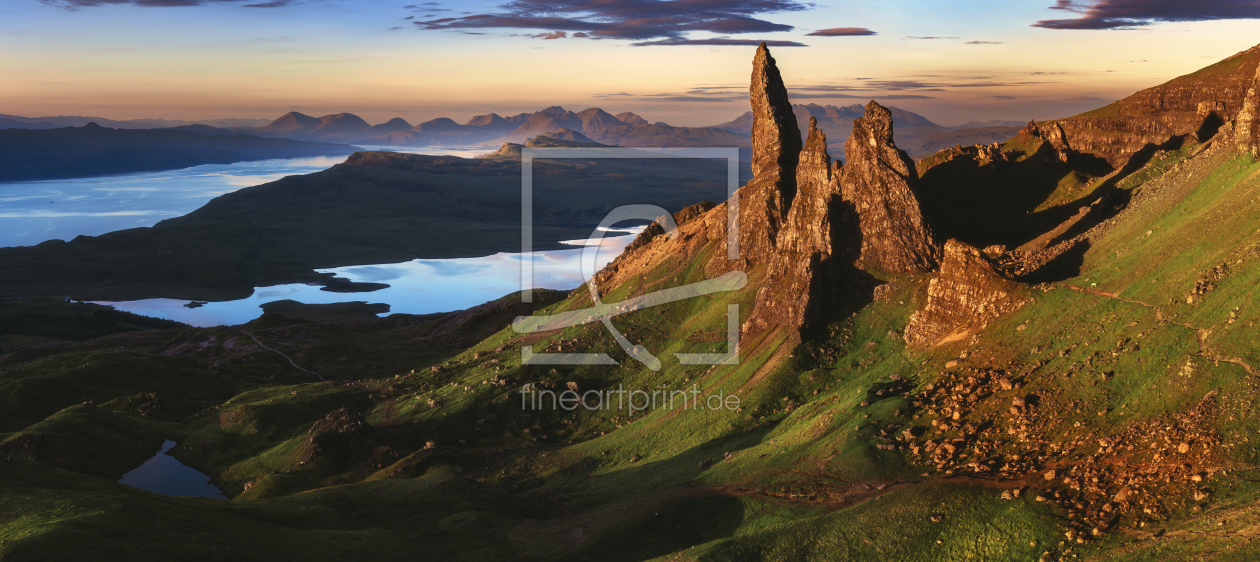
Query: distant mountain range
x=19, y=122
x=624, y=129
x=917, y=134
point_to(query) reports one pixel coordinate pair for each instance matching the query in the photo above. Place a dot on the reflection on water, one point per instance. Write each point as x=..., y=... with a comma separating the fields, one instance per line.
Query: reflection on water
x=164, y=474
x=415, y=287
x=35, y=211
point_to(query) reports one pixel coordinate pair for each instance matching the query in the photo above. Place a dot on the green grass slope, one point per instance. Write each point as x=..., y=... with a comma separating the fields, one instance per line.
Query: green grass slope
x=1110, y=417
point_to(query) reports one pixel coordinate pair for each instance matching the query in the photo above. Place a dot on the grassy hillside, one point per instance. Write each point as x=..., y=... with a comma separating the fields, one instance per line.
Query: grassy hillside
x=1111, y=417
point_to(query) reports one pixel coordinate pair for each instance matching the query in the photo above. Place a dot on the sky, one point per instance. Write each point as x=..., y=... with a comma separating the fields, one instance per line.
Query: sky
x=685, y=62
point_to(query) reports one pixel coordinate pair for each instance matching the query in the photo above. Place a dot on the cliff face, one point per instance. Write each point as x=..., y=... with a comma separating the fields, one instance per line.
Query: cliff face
x=1247, y=125
x=880, y=181
x=968, y=294
x=1194, y=104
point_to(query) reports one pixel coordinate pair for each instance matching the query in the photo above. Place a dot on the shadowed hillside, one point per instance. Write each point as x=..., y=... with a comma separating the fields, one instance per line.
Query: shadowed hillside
x=92, y=150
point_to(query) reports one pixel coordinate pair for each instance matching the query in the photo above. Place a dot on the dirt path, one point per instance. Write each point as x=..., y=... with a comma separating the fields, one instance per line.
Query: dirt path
x=286, y=357
x=1205, y=350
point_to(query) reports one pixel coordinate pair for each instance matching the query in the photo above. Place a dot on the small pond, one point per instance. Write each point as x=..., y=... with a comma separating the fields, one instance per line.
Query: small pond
x=164, y=474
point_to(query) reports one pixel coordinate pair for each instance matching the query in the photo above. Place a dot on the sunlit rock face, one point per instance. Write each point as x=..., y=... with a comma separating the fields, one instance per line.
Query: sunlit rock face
x=1247, y=125
x=881, y=182
x=810, y=220
x=963, y=299
x=776, y=143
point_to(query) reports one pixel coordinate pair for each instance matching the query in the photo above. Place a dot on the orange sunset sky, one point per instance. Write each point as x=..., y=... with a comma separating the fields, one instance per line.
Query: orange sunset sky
x=685, y=62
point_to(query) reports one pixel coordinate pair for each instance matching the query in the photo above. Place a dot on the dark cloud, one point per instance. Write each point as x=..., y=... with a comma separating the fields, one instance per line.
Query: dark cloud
x=551, y=35
x=76, y=4
x=841, y=32
x=667, y=21
x=746, y=42
x=1004, y=97
x=1129, y=14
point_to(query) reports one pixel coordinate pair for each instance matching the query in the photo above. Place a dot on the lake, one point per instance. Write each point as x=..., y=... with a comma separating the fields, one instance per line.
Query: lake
x=32, y=212
x=415, y=287
x=35, y=211
x=164, y=474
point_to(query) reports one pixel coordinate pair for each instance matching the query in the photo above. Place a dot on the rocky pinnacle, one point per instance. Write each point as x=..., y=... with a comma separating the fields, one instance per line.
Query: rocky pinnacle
x=810, y=220
x=776, y=145
x=776, y=141
x=881, y=182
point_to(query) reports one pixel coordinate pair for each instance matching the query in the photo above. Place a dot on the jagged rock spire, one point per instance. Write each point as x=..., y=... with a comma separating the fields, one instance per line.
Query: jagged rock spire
x=1247, y=125
x=809, y=220
x=881, y=182
x=776, y=146
x=776, y=140
x=808, y=224
x=805, y=256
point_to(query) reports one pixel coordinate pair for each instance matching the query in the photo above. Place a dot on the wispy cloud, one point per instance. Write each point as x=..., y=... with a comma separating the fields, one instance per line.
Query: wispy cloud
x=668, y=21
x=930, y=37
x=1130, y=14
x=922, y=85
x=841, y=32
x=984, y=43
x=76, y=4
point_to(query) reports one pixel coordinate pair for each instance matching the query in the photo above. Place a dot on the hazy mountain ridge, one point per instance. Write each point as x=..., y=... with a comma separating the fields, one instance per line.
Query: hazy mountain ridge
x=92, y=150
x=19, y=122
x=917, y=133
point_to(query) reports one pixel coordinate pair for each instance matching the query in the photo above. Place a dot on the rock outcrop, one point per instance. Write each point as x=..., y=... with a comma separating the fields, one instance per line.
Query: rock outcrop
x=807, y=223
x=881, y=182
x=809, y=220
x=963, y=299
x=807, y=227
x=1247, y=125
x=810, y=246
x=776, y=140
